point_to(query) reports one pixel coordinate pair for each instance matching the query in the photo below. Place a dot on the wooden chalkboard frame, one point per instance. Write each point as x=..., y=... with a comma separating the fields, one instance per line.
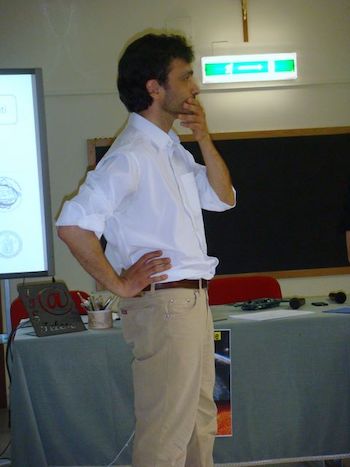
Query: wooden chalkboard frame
x=94, y=145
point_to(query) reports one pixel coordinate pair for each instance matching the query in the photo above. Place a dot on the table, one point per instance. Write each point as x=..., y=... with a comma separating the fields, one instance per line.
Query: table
x=71, y=395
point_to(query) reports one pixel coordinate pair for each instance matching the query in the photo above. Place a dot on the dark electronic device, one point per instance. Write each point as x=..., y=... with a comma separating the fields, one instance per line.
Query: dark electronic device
x=259, y=304
x=50, y=307
x=265, y=303
x=295, y=302
x=338, y=297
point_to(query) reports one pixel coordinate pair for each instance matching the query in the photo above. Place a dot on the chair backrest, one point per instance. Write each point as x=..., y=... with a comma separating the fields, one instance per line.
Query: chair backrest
x=242, y=288
x=18, y=310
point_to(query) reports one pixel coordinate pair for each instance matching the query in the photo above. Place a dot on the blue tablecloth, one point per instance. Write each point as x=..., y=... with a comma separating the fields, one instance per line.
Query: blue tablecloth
x=72, y=398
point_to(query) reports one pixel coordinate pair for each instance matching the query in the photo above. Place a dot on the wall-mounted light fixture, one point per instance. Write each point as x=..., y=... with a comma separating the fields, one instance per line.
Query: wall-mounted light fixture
x=249, y=68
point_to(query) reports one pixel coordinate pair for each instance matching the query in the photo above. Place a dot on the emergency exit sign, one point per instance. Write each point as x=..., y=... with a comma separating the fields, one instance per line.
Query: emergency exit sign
x=241, y=68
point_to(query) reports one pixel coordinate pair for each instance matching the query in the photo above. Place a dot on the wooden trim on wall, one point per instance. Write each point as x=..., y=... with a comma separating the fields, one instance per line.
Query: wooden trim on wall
x=94, y=143
x=294, y=132
x=339, y=130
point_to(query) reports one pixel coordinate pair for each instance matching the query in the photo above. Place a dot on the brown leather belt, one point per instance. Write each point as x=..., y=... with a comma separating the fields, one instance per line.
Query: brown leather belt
x=183, y=284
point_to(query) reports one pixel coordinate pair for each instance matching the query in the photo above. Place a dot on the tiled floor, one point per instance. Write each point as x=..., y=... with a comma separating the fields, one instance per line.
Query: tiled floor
x=5, y=447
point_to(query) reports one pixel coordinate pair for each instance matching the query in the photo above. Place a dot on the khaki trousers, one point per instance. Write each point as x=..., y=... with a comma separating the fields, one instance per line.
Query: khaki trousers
x=171, y=331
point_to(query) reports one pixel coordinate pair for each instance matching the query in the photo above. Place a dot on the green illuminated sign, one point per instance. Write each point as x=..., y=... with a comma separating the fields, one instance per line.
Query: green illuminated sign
x=249, y=68
x=227, y=68
x=284, y=65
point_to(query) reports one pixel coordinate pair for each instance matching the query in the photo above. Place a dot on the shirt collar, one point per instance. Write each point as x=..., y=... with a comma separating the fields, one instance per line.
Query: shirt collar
x=158, y=136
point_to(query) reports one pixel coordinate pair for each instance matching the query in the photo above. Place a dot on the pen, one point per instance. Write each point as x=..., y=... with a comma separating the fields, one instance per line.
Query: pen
x=109, y=301
x=86, y=303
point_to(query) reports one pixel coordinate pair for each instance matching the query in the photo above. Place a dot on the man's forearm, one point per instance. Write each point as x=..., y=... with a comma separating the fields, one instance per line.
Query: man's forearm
x=87, y=249
x=217, y=171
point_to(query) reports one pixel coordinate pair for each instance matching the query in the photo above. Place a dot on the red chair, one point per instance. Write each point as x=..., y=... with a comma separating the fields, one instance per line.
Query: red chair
x=18, y=310
x=242, y=288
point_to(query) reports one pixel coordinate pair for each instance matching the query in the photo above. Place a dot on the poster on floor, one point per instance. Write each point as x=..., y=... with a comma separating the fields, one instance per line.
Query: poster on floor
x=222, y=390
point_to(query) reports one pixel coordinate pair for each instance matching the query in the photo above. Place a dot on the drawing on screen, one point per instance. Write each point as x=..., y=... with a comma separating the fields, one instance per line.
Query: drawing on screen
x=8, y=110
x=10, y=194
x=10, y=244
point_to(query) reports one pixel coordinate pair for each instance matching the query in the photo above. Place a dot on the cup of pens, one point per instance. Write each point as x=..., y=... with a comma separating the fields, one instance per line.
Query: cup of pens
x=99, y=312
x=100, y=319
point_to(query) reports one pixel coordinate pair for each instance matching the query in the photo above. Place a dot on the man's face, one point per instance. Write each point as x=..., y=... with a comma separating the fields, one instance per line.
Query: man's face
x=179, y=87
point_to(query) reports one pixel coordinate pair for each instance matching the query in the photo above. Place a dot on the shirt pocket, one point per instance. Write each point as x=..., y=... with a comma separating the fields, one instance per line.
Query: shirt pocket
x=190, y=194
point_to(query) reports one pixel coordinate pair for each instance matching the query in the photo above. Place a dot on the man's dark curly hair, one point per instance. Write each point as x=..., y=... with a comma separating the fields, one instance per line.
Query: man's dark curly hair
x=146, y=58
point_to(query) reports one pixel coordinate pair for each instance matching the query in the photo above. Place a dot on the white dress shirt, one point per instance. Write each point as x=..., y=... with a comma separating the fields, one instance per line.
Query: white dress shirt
x=147, y=193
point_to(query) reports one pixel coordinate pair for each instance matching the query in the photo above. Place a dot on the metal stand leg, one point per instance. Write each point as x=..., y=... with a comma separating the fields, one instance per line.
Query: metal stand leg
x=7, y=302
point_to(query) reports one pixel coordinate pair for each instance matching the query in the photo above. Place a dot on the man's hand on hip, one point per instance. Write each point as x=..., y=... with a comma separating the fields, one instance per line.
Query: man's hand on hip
x=143, y=273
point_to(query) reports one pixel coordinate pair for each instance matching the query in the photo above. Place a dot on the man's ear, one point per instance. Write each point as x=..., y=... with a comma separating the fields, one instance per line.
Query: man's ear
x=153, y=87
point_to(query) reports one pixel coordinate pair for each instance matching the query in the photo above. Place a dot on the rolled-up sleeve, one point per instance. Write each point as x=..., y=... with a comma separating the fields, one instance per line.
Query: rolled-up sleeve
x=209, y=199
x=104, y=191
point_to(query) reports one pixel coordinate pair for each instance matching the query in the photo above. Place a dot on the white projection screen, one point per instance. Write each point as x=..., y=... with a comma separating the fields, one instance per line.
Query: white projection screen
x=25, y=213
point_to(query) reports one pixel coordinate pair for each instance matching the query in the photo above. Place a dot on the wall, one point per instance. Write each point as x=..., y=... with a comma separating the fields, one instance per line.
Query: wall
x=77, y=43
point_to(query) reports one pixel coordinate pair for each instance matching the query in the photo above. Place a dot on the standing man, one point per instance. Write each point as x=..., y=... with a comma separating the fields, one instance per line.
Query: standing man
x=146, y=196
